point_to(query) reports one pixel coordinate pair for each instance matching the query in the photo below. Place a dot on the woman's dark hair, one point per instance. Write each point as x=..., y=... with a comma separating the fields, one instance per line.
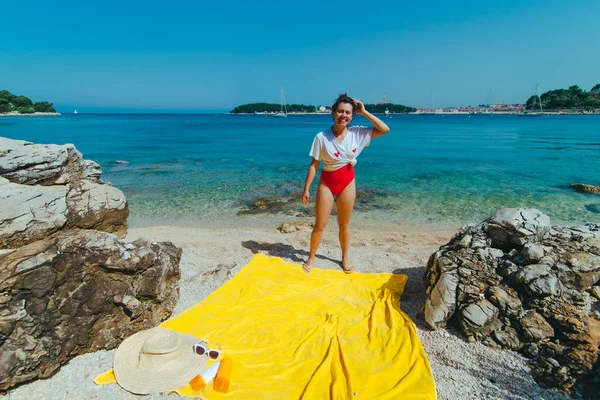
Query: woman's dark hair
x=344, y=98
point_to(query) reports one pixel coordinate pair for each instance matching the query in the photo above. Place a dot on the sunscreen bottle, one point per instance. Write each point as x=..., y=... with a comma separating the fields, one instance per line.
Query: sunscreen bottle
x=200, y=381
x=223, y=376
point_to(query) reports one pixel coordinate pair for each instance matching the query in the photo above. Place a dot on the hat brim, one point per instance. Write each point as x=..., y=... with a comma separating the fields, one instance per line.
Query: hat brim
x=167, y=375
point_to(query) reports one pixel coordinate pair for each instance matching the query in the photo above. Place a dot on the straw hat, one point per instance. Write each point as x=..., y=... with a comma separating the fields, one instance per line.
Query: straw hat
x=157, y=360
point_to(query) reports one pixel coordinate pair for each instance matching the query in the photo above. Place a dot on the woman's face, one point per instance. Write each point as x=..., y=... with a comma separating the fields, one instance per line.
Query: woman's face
x=343, y=114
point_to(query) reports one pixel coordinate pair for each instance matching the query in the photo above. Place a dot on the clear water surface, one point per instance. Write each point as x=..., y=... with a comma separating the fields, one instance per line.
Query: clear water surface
x=428, y=169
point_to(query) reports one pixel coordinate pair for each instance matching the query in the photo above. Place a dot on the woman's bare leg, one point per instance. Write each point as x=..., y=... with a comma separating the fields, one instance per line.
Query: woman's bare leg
x=324, y=204
x=345, y=205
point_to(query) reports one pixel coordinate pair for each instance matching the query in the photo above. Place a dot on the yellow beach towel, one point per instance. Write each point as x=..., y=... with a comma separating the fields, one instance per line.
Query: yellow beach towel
x=327, y=335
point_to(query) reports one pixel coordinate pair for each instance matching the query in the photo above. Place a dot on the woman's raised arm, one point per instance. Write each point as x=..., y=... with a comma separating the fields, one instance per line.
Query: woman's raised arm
x=380, y=128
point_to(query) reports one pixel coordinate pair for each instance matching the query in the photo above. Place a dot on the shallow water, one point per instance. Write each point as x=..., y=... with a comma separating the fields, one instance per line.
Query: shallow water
x=428, y=169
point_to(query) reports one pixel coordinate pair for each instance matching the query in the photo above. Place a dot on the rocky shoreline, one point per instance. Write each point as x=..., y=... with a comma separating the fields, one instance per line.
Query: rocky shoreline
x=35, y=114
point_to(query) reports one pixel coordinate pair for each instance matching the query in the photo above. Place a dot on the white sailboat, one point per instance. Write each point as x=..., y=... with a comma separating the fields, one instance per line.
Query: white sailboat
x=533, y=113
x=486, y=111
x=75, y=112
x=283, y=112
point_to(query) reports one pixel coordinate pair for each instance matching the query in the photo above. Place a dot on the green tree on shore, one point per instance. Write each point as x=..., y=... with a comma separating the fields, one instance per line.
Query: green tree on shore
x=271, y=108
x=43, y=106
x=22, y=104
x=4, y=105
x=22, y=101
x=302, y=108
x=391, y=107
x=573, y=98
x=25, y=110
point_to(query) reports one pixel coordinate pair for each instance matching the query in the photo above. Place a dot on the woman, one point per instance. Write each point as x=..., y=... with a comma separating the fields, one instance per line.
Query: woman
x=338, y=147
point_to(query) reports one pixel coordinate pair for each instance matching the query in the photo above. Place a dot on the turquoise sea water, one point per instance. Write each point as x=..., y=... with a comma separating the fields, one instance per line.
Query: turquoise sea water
x=428, y=169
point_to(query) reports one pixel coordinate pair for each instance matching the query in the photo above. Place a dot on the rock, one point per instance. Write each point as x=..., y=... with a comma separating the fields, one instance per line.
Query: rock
x=464, y=242
x=547, y=285
x=585, y=271
x=531, y=350
x=478, y=319
x=46, y=188
x=585, y=188
x=535, y=327
x=515, y=226
x=441, y=303
x=532, y=272
x=95, y=206
x=29, y=213
x=532, y=252
x=516, y=282
x=30, y=164
x=289, y=227
x=290, y=205
x=506, y=299
x=65, y=291
x=508, y=338
x=78, y=291
x=595, y=291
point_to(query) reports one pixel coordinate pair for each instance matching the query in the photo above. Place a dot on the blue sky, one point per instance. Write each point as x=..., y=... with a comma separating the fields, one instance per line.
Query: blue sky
x=192, y=56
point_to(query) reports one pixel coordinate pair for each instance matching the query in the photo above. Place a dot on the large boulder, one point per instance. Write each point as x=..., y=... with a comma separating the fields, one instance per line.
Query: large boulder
x=65, y=290
x=46, y=188
x=78, y=291
x=516, y=282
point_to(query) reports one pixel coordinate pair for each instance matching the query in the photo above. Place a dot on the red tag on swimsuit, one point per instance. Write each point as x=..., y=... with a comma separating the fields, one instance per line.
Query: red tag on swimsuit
x=336, y=154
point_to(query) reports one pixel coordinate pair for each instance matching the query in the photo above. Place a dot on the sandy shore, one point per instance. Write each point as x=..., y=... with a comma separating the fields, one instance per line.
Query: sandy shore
x=461, y=370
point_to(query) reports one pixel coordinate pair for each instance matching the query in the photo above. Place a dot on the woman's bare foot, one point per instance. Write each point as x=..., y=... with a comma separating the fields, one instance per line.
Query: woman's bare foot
x=306, y=268
x=347, y=267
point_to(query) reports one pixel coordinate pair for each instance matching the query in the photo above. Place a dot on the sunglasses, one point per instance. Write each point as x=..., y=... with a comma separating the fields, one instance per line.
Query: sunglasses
x=201, y=348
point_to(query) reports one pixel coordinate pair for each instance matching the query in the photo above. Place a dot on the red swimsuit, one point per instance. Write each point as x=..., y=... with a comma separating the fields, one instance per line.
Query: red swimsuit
x=339, y=179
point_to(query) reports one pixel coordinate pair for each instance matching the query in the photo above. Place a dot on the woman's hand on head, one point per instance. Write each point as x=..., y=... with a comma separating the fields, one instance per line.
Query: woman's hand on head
x=360, y=107
x=305, y=198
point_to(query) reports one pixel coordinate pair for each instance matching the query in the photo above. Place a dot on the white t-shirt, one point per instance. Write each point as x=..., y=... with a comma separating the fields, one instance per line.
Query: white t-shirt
x=336, y=153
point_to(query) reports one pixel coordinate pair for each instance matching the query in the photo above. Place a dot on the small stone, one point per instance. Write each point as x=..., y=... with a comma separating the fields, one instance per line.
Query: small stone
x=479, y=244
x=289, y=227
x=464, y=242
x=531, y=350
x=553, y=362
x=532, y=252
x=547, y=285
x=497, y=253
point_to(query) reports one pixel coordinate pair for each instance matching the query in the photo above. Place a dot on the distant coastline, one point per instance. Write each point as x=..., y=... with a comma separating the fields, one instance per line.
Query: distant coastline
x=439, y=112
x=35, y=114
x=12, y=104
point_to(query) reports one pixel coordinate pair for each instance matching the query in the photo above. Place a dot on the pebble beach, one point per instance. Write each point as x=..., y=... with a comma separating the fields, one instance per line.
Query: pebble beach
x=211, y=256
